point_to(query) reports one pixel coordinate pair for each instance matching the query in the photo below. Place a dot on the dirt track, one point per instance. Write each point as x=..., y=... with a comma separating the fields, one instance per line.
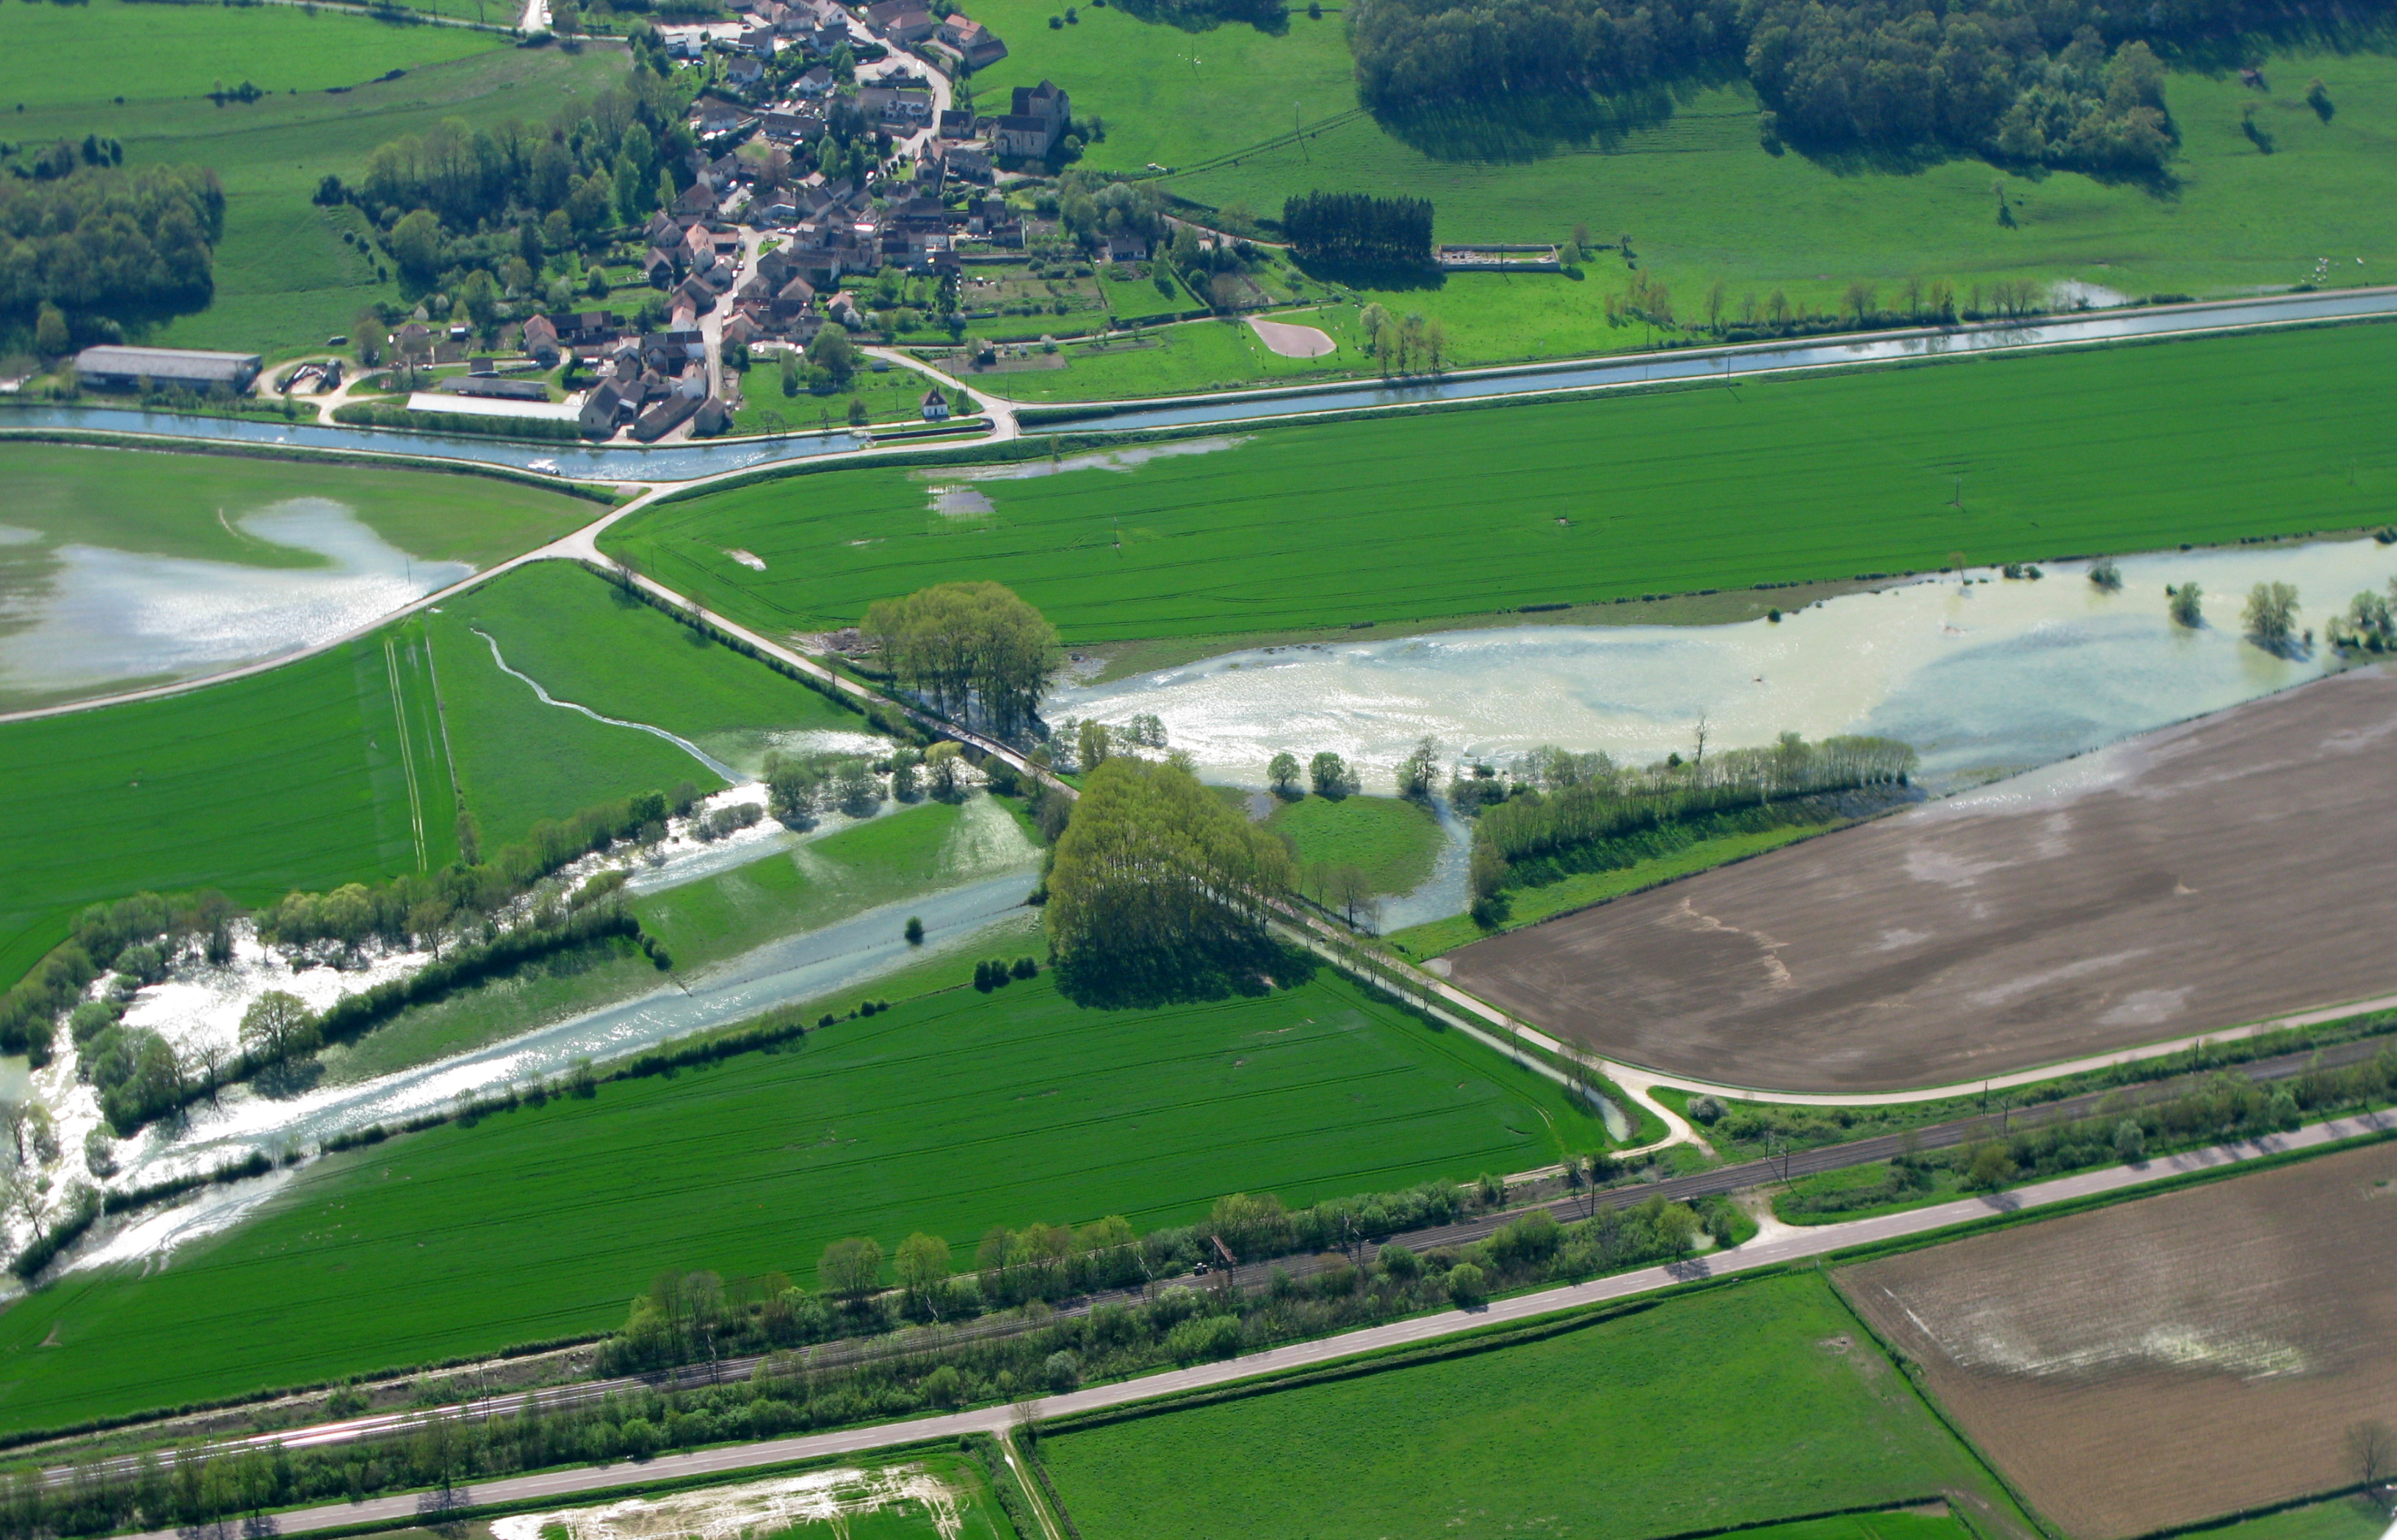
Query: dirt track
x=2210, y=873
x=2156, y=1363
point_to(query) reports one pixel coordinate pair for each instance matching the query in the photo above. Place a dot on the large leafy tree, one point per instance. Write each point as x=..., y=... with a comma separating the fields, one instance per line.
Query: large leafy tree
x=1160, y=890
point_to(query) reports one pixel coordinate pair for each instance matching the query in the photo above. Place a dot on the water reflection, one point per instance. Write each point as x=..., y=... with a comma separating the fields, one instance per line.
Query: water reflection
x=106, y=617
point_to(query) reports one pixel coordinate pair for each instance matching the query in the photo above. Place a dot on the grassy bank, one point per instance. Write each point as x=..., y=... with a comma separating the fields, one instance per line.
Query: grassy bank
x=948, y=1114
x=1767, y=1387
x=1456, y=513
x=1395, y=843
x=1531, y=905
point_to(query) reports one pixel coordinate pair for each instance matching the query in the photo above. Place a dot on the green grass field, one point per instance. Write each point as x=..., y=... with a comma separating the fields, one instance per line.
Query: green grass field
x=290, y=779
x=587, y=642
x=284, y=280
x=2340, y=1519
x=948, y=1114
x=893, y=397
x=1744, y=1404
x=1195, y=355
x=1464, y=512
x=1394, y=842
x=1702, y=199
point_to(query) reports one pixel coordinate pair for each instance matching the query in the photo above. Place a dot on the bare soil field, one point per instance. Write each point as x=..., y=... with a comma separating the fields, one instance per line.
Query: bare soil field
x=2213, y=873
x=2168, y=1361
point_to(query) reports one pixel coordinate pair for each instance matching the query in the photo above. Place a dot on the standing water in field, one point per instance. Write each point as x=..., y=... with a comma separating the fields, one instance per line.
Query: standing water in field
x=1985, y=678
x=107, y=618
x=987, y=855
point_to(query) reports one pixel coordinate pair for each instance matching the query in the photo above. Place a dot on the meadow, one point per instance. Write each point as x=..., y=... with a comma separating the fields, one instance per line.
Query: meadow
x=587, y=641
x=1684, y=174
x=1395, y=843
x=1389, y=519
x=122, y=53
x=946, y=1114
x=1729, y=1407
x=285, y=279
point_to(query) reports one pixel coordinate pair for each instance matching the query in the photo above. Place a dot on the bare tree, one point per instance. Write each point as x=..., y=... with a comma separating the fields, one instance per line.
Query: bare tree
x=12, y=1120
x=2371, y=1453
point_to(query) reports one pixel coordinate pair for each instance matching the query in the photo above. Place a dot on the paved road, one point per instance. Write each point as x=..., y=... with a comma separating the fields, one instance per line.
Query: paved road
x=585, y=1480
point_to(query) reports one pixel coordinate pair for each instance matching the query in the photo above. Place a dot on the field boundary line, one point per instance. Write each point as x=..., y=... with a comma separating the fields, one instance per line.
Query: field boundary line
x=1912, y=1373
x=441, y=713
x=407, y=749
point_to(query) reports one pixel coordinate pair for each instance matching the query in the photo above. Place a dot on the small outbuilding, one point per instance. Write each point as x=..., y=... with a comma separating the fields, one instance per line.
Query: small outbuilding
x=936, y=406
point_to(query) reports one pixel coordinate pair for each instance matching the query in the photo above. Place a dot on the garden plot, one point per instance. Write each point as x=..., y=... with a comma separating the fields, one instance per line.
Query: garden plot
x=2156, y=1363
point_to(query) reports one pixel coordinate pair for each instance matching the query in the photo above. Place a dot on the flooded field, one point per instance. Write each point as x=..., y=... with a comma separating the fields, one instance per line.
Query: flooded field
x=1985, y=678
x=94, y=619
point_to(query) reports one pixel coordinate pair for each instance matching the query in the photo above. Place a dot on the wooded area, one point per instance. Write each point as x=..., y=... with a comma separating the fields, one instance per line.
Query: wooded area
x=1353, y=228
x=2072, y=84
x=100, y=236
x=963, y=645
x=1158, y=888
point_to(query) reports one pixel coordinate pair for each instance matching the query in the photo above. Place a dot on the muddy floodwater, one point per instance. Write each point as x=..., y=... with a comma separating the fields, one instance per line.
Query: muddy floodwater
x=107, y=618
x=1985, y=678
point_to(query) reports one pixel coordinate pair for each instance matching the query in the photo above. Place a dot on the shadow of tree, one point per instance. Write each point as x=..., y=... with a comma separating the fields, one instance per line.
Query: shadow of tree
x=1246, y=969
x=1536, y=125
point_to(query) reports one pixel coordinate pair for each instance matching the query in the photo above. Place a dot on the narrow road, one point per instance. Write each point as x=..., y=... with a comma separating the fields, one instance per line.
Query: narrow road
x=581, y=1481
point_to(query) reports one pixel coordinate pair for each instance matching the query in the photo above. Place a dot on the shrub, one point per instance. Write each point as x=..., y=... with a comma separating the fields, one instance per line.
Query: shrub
x=1467, y=1286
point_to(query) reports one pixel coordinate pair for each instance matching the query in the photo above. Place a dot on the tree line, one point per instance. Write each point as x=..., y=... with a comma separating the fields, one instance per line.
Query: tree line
x=1554, y=801
x=1358, y=229
x=2074, y=83
x=139, y=1075
x=974, y=650
x=105, y=238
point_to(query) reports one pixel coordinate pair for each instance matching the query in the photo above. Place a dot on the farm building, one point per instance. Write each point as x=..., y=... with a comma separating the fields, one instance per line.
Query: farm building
x=114, y=368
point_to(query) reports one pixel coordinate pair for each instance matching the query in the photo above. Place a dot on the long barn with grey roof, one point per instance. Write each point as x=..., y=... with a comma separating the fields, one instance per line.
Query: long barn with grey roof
x=111, y=367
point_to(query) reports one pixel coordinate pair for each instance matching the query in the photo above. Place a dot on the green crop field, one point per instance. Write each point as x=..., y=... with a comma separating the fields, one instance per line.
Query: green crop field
x=1392, y=519
x=588, y=642
x=284, y=280
x=1732, y=1407
x=1394, y=842
x=520, y=761
x=290, y=779
x=947, y=1114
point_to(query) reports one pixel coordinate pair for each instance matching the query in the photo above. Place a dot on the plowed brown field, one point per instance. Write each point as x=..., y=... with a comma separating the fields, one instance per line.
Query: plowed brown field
x=2167, y=1360
x=2217, y=872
